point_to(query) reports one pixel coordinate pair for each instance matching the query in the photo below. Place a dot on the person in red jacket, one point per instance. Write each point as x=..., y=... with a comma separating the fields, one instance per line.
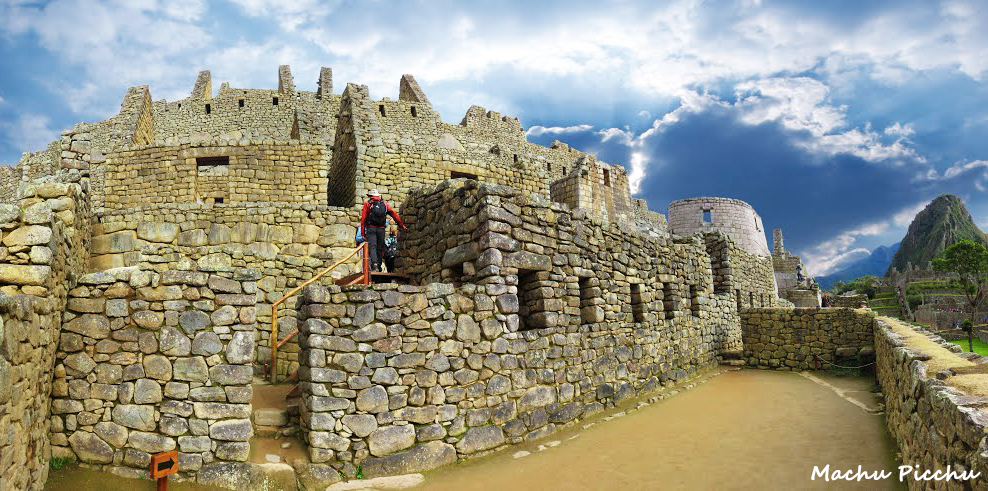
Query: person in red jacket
x=373, y=222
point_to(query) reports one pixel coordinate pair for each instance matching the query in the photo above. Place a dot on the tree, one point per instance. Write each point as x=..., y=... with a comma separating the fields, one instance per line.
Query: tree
x=970, y=261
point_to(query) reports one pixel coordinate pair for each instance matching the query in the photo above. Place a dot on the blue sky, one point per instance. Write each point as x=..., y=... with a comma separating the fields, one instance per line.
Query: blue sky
x=836, y=120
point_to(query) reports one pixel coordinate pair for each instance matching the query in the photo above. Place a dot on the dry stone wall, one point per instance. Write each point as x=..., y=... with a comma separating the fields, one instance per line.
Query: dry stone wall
x=934, y=423
x=150, y=362
x=806, y=338
x=286, y=244
x=400, y=379
x=44, y=246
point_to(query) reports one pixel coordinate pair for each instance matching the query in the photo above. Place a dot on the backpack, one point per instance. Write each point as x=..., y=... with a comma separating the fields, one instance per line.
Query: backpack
x=378, y=213
x=390, y=248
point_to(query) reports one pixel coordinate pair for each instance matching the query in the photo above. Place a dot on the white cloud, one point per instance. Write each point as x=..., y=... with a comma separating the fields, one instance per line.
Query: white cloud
x=896, y=129
x=644, y=114
x=289, y=15
x=29, y=131
x=557, y=130
x=831, y=255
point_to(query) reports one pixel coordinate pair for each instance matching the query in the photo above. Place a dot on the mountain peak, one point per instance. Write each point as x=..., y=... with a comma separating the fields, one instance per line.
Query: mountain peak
x=943, y=223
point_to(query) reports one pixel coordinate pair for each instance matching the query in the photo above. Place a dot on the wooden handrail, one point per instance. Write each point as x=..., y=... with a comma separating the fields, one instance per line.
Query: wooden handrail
x=274, y=308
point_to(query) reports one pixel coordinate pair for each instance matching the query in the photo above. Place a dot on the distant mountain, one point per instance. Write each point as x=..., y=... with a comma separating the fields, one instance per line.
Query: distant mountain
x=874, y=265
x=943, y=223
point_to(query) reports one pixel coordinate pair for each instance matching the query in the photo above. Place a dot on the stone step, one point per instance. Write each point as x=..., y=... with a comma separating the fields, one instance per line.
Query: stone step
x=271, y=417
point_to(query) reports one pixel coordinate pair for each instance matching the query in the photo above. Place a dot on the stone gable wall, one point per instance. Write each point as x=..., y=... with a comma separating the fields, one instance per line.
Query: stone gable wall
x=798, y=338
x=151, y=362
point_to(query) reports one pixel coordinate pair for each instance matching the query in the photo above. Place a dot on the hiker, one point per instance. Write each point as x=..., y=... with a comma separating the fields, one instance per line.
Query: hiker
x=373, y=220
x=391, y=250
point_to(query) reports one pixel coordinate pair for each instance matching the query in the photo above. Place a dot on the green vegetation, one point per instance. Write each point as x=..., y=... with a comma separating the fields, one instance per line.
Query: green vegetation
x=919, y=287
x=57, y=463
x=970, y=261
x=980, y=347
x=360, y=472
x=867, y=285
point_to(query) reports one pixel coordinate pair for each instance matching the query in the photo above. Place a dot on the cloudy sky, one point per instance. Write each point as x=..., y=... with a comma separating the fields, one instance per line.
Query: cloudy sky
x=836, y=120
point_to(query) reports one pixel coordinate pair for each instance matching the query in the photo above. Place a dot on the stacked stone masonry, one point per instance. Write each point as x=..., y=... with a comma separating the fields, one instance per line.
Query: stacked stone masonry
x=735, y=218
x=934, y=424
x=45, y=240
x=149, y=363
x=807, y=338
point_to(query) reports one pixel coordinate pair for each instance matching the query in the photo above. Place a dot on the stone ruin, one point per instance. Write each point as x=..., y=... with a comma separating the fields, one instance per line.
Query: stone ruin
x=141, y=256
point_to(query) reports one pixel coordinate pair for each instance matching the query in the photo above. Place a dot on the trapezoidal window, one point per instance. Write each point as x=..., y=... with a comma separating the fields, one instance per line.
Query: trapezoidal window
x=414, y=115
x=213, y=166
x=208, y=109
x=536, y=307
x=737, y=294
x=751, y=299
x=637, y=303
x=515, y=157
x=694, y=301
x=380, y=108
x=708, y=217
x=589, y=299
x=274, y=101
x=462, y=175
x=564, y=170
x=240, y=102
x=607, y=177
x=669, y=301
x=548, y=167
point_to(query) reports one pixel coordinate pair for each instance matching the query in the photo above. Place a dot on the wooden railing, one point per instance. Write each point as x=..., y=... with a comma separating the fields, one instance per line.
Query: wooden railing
x=275, y=344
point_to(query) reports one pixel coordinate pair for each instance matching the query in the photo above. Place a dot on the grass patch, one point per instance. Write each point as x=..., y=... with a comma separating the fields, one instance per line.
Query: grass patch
x=845, y=372
x=980, y=347
x=58, y=463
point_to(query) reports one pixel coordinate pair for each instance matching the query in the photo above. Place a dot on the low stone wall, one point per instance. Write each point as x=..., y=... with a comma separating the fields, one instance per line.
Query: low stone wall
x=151, y=362
x=935, y=424
x=400, y=379
x=796, y=339
x=850, y=301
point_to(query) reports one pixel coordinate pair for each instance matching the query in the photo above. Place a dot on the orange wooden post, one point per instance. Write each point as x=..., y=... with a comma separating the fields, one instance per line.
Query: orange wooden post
x=162, y=466
x=366, y=265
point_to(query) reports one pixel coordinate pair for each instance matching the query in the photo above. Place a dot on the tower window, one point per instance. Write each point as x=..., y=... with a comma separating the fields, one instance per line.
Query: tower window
x=708, y=217
x=241, y=102
x=516, y=158
x=208, y=109
x=607, y=177
x=381, y=109
x=413, y=112
x=274, y=101
x=564, y=170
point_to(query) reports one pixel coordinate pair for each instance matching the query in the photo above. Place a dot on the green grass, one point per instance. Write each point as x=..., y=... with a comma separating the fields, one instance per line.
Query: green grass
x=980, y=347
x=57, y=463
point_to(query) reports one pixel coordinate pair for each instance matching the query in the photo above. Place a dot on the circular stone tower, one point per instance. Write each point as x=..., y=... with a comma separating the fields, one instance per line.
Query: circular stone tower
x=733, y=217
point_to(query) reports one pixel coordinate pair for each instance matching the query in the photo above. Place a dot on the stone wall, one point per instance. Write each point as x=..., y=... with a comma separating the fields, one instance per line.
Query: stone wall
x=399, y=379
x=735, y=218
x=284, y=173
x=287, y=244
x=151, y=362
x=935, y=422
x=45, y=244
x=798, y=339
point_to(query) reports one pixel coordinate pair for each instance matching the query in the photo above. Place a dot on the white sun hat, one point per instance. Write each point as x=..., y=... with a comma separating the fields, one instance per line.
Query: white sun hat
x=374, y=192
